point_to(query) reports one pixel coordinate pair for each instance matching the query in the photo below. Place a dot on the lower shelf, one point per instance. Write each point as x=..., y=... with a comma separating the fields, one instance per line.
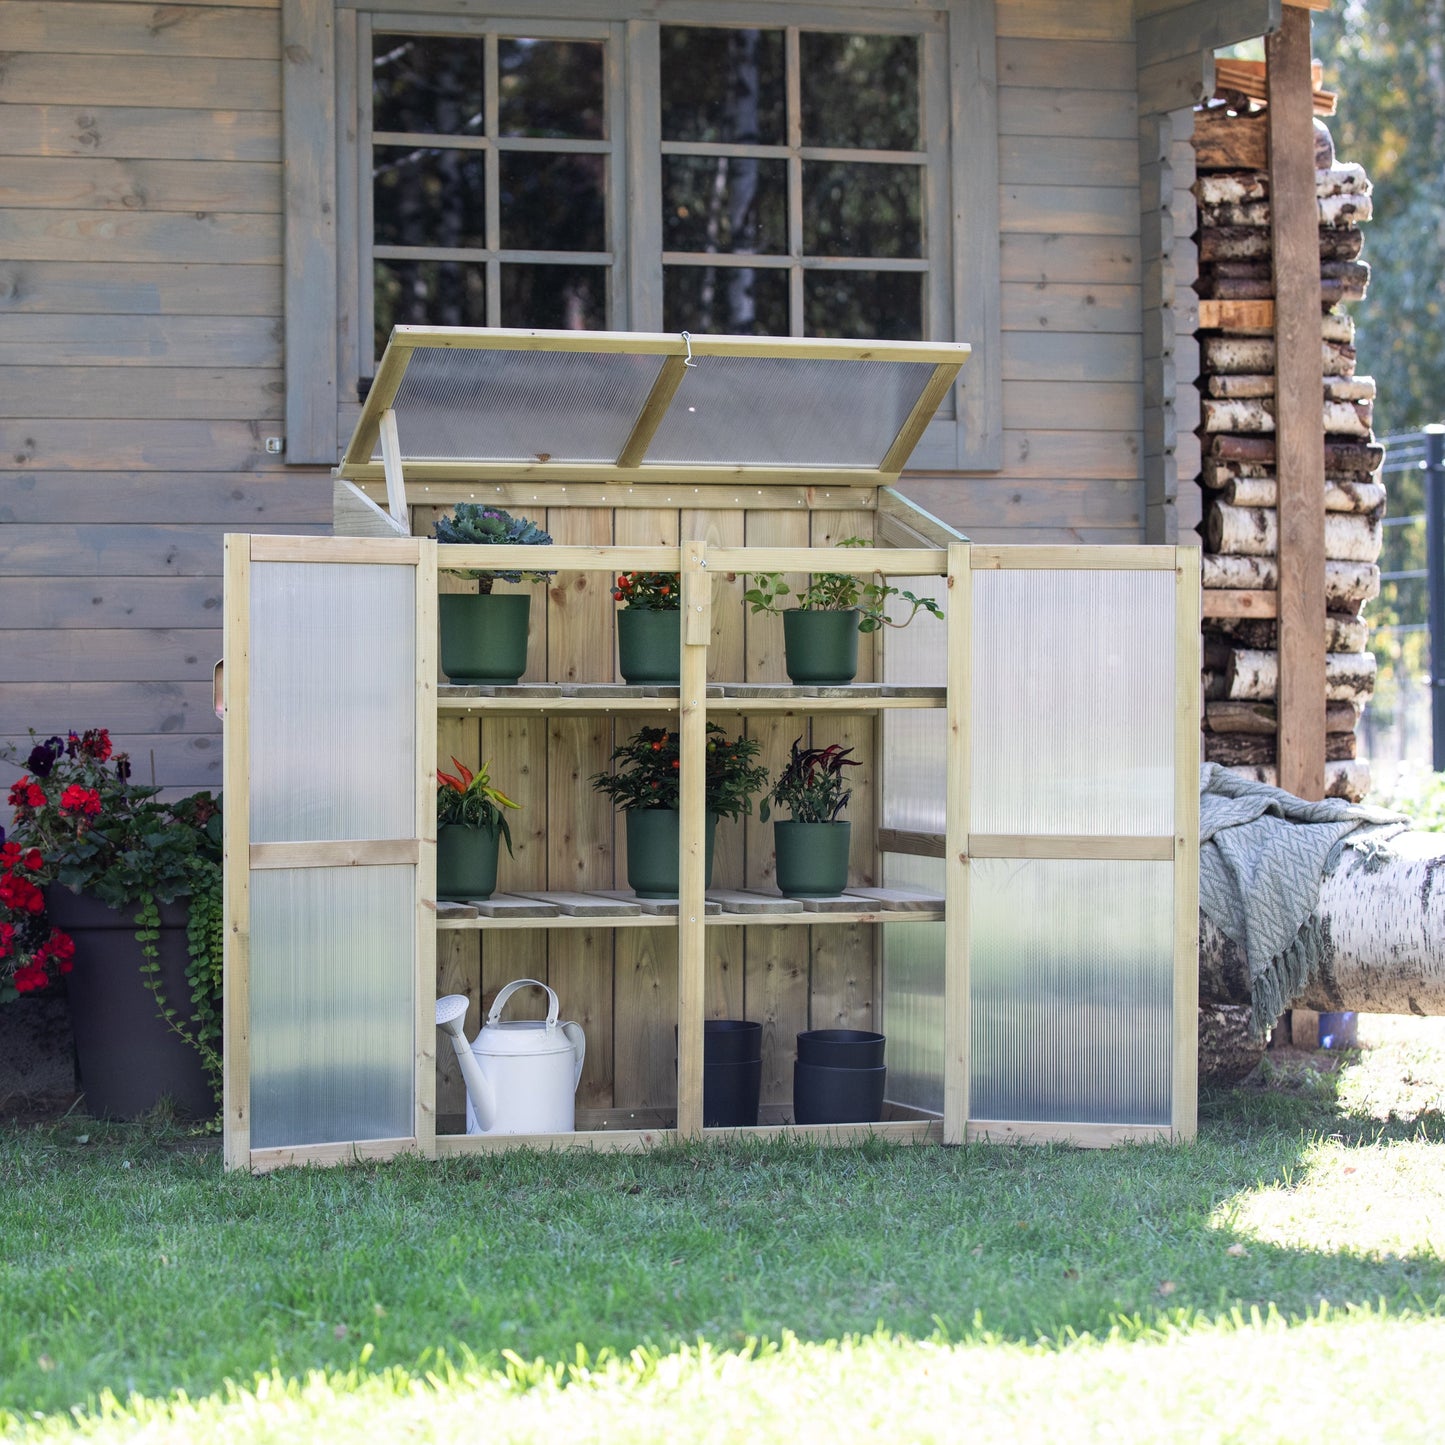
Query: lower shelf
x=613, y=908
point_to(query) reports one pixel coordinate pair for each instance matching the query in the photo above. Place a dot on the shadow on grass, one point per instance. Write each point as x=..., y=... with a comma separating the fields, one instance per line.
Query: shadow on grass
x=133, y=1262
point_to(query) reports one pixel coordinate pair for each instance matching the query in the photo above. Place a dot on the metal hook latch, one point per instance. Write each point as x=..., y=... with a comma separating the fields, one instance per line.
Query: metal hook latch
x=687, y=360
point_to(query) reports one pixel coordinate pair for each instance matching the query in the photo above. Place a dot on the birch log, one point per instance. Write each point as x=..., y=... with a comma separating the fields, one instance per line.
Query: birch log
x=1253, y=674
x=1365, y=497
x=1255, y=414
x=1254, y=532
x=1233, y=749
x=1350, y=780
x=1384, y=936
x=1236, y=187
x=1346, y=583
x=1262, y=717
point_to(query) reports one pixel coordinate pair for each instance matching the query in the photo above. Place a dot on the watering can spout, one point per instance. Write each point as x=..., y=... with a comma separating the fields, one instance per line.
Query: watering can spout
x=451, y=1010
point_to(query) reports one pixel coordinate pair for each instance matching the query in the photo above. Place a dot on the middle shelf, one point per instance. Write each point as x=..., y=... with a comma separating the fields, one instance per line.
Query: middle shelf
x=727, y=697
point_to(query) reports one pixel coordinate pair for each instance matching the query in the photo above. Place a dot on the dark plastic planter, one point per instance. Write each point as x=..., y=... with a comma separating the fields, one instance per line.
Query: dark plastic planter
x=649, y=645
x=466, y=861
x=820, y=648
x=812, y=858
x=732, y=1073
x=484, y=636
x=128, y=1057
x=823, y=1095
x=841, y=1048
x=652, y=851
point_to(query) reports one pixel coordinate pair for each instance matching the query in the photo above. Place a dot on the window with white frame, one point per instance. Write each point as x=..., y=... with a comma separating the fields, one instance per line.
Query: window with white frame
x=661, y=165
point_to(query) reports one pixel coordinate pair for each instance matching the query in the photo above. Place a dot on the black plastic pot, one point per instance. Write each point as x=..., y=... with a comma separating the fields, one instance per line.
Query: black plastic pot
x=824, y=1095
x=128, y=1056
x=841, y=1048
x=732, y=1073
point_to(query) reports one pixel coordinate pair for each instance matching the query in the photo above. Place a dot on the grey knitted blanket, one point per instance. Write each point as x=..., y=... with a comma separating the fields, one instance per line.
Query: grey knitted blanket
x=1262, y=855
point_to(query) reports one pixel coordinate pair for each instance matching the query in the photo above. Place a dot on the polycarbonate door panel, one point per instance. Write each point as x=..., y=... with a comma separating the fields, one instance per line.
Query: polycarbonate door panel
x=913, y=973
x=914, y=740
x=1072, y=702
x=333, y=701
x=332, y=1003
x=1071, y=968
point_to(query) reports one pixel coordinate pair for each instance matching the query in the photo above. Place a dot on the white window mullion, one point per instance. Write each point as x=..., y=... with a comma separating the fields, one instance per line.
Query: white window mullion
x=792, y=63
x=492, y=187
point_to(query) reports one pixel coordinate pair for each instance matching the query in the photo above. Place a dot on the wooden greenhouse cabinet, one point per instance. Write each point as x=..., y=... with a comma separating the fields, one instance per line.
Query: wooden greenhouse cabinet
x=1022, y=909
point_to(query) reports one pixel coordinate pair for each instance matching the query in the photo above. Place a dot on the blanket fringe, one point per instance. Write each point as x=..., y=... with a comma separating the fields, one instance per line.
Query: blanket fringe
x=1285, y=977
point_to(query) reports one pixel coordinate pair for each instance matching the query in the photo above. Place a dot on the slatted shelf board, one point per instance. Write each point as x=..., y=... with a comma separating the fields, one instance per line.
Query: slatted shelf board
x=722, y=697
x=616, y=908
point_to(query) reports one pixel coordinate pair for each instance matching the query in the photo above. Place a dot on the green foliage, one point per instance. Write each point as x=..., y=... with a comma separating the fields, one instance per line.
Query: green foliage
x=1386, y=59
x=812, y=785
x=650, y=772
x=468, y=799
x=839, y=592
x=471, y=524
x=1418, y=793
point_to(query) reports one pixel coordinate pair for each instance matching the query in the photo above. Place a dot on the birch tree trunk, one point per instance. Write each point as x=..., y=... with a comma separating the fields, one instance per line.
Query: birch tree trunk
x=1384, y=931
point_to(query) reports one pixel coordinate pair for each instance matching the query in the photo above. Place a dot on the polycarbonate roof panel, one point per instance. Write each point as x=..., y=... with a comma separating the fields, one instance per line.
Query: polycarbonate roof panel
x=586, y=406
x=787, y=411
x=520, y=406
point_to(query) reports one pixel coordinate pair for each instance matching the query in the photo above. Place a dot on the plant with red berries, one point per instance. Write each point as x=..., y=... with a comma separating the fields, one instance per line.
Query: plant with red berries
x=650, y=772
x=649, y=591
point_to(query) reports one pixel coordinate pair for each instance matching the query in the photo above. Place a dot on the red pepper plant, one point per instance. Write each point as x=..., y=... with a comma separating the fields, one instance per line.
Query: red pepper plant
x=467, y=799
x=649, y=772
x=812, y=785
x=649, y=591
x=78, y=822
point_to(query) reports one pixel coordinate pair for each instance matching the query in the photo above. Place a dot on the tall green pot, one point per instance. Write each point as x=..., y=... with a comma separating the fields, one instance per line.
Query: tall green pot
x=820, y=648
x=484, y=636
x=466, y=861
x=649, y=645
x=652, y=851
x=812, y=858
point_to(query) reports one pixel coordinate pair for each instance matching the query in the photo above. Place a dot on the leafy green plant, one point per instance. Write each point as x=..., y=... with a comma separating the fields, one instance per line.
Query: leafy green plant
x=650, y=772
x=468, y=799
x=649, y=591
x=812, y=785
x=839, y=592
x=471, y=524
x=80, y=823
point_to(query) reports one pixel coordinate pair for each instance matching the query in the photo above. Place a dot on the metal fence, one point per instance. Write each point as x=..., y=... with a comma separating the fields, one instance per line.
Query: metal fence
x=1399, y=727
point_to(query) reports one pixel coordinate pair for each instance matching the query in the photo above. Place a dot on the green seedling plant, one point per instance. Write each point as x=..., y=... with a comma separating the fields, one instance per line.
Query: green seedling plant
x=839, y=592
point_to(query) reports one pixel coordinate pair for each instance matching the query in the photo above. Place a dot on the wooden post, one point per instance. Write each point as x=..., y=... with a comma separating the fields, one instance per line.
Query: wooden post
x=1299, y=408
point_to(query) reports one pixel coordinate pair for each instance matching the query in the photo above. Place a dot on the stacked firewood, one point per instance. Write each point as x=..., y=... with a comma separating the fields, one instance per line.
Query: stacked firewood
x=1240, y=525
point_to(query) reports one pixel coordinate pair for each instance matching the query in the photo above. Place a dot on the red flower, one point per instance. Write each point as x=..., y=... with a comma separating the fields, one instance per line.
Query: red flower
x=33, y=860
x=21, y=894
x=76, y=799
x=31, y=978
x=24, y=793
x=96, y=744
x=62, y=948
x=7, y=938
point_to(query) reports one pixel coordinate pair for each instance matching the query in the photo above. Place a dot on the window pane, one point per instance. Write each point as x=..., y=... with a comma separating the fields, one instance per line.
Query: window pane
x=720, y=204
x=864, y=304
x=723, y=85
x=862, y=210
x=553, y=203
x=725, y=300
x=573, y=298
x=860, y=90
x=550, y=88
x=427, y=83
x=431, y=293
x=427, y=197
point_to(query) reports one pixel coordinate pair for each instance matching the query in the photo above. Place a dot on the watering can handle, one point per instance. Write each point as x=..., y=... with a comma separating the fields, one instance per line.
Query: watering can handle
x=511, y=988
x=579, y=1048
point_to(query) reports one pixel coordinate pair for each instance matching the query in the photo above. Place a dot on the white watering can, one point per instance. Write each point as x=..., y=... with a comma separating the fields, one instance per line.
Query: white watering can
x=522, y=1076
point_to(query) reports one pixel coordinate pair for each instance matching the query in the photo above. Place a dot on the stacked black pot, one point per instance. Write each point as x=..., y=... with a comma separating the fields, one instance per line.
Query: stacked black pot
x=838, y=1078
x=732, y=1073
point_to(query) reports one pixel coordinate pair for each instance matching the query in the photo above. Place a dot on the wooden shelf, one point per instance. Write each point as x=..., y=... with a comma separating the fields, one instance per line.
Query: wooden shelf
x=722, y=697
x=614, y=908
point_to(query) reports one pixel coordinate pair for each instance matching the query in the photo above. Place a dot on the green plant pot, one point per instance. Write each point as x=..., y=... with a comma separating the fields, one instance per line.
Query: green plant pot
x=820, y=649
x=812, y=858
x=484, y=636
x=652, y=851
x=466, y=861
x=649, y=645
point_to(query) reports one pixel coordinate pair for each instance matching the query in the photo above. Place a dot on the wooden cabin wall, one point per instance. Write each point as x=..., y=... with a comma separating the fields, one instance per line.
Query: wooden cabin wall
x=1070, y=270
x=621, y=984
x=141, y=336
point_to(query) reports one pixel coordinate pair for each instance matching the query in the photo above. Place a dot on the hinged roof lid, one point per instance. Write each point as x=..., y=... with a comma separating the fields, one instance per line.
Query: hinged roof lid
x=471, y=403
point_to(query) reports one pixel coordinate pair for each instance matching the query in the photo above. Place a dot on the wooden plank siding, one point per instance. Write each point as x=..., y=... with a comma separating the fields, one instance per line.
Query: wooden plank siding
x=141, y=362
x=1069, y=261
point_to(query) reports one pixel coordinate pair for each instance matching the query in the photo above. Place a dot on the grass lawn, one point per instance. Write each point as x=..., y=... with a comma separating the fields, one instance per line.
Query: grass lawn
x=1281, y=1278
